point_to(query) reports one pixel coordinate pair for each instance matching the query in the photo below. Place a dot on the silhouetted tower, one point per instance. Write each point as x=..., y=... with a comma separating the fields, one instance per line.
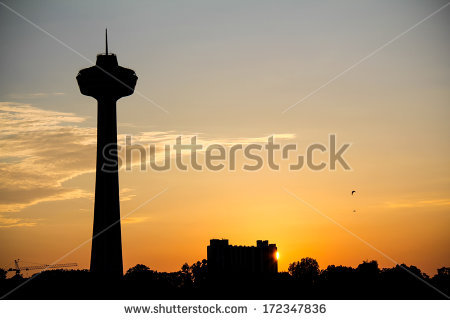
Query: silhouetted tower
x=107, y=82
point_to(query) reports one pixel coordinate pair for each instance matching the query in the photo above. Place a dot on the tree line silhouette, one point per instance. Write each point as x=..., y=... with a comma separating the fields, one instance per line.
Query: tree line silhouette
x=303, y=280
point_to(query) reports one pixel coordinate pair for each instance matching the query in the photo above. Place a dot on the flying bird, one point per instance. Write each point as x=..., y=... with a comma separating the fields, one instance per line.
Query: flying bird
x=352, y=194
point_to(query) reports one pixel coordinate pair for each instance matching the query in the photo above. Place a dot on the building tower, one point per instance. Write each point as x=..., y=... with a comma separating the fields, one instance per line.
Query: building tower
x=107, y=82
x=225, y=259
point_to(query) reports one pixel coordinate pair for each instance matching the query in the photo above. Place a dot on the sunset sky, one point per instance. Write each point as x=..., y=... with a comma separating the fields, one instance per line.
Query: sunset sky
x=225, y=71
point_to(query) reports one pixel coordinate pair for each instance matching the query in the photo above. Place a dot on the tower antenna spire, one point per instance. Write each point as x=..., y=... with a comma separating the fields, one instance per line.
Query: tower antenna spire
x=106, y=40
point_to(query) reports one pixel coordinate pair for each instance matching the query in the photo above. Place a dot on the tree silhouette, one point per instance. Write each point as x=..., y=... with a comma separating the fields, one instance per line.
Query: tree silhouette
x=140, y=272
x=307, y=270
x=443, y=272
x=2, y=274
x=368, y=267
x=186, y=276
x=303, y=281
x=368, y=270
x=442, y=279
x=199, y=271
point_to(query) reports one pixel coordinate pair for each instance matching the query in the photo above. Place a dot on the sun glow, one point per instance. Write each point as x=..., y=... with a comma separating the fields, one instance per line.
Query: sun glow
x=277, y=255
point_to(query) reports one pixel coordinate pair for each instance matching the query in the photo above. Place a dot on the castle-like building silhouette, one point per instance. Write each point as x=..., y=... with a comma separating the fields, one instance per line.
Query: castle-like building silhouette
x=107, y=82
x=224, y=258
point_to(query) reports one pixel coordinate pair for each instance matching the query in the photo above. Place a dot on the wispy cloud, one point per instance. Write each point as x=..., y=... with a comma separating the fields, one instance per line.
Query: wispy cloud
x=16, y=96
x=47, y=148
x=162, y=138
x=169, y=137
x=42, y=149
x=126, y=194
x=133, y=220
x=15, y=200
x=418, y=204
x=6, y=222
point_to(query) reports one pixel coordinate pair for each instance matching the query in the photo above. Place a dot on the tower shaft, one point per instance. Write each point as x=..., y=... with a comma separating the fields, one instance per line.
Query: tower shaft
x=106, y=254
